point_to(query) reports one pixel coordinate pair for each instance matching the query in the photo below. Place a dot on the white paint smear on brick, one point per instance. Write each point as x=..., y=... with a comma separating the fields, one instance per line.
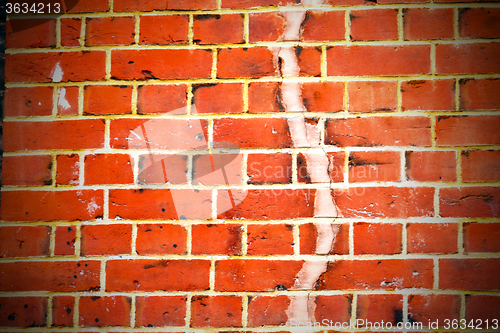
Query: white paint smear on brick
x=57, y=73
x=61, y=99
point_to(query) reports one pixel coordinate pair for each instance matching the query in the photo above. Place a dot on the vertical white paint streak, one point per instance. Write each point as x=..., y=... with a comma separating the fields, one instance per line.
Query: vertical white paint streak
x=61, y=99
x=306, y=134
x=57, y=73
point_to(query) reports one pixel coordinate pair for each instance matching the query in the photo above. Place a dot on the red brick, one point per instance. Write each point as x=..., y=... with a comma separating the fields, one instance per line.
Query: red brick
x=107, y=100
x=372, y=96
x=369, y=60
x=268, y=310
x=162, y=169
x=108, y=169
x=479, y=22
x=24, y=101
x=428, y=23
x=431, y=166
x=368, y=166
x=30, y=33
x=104, y=311
x=23, y=311
x=379, y=308
x=216, y=311
x=68, y=169
x=132, y=5
x=425, y=308
x=24, y=241
x=164, y=29
x=27, y=170
x=218, y=29
x=149, y=275
x=46, y=205
x=65, y=241
x=207, y=98
x=467, y=58
x=89, y=6
x=182, y=134
x=400, y=1
x=384, y=274
x=482, y=311
x=106, y=239
x=217, y=169
x=39, y=67
x=469, y=201
x=160, y=311
x=118, y=30
x=163, y=204
x=335, y=167
x=67, y=101
x=160, y=239
x=467, y=130
x=270, y=133
x=216, y=239
x=377, y=238
x=481, y=237
x=266, y=204
x=63, y=310
x=168, y=98
x=469, y=274
x=323, y=96
x=480, y=165
x=308, y=60
x=309, y=238
x=266, y=27
x=363, y=21
x=432, y=237
x=255, y=275
x=254, y=62
x=323, y=26
x=267, y=239
x=379, y=131
x=333, y=309
x=269, y=168
x=428, y=95
x=255, y=3
x=70, y=134
x=160, y=64
x=50, y=276
x=71, y=31
x=264, y=97
x=480, y=94
x=392, y=202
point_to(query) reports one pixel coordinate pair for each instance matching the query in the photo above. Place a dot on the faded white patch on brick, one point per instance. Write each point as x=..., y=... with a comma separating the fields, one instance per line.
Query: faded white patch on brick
x=61, y=99
x=57, y=73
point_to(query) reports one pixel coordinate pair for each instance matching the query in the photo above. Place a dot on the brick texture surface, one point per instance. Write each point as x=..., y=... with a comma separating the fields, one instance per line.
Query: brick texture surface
x=251, y=166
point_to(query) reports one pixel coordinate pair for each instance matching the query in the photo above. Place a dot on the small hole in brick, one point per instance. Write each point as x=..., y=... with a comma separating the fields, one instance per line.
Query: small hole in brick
x=175, y=245
x=25, y=306
x=68, y=311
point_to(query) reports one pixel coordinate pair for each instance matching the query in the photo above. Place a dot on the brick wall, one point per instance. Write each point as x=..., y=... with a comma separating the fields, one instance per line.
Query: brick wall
x=242, y=165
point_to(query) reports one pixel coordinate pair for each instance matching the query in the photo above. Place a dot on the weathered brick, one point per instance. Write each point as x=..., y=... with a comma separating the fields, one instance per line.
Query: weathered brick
x=108, y=169
x=368, y=166
x=160, y=64
x=479, y=22
x=131, y=5
x=154, y=311
x=50, y=276
x=363, y=21
x=24, y=241
x=162, y=169
x=269, y=168
x=68, y=100
x=425, y=308
x=480, y=165
x=266, y=27
x=309, y=238
x=378, y=131
x=207, y=98
x=431, y=166
x=216, y=239
x=23, y=311
x=150, y=275
x=469, y=201
x=63, y=310
x=43, y=67
x=383, y=60
x=107, y=100
x=71, y=31
x=106, y=239
x=323, y=26
x=432, y=237
x=482, y=310
x=323, y=96
x=161, y=239
x=104, y=311
x=480, y=94
x=469, y=274
x=268, y=310
x=267, y=239
x=377, y=238
x=218, y=29
x=28, y=101
x=428, y=23
x=481, y=237
x=27, y=170
x=467, y=58
x=30, y=33
x=68, y=169
x=216, y=311
x=264, y=97
x=251, y=62
x=372, y=96
x=333, y=309
x=169, y=98
x=65, y=241
x=64, y=134
x=467, y=130
x=428, y=95
x=384, y=274
x=378, y=308
x=118, y=30
x=164, y=29
x=46, y=205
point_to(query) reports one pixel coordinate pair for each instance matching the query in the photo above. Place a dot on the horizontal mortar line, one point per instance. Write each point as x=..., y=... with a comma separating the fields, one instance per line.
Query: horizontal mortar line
x=277, y=115
x=266, y=79
x=341, y=42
